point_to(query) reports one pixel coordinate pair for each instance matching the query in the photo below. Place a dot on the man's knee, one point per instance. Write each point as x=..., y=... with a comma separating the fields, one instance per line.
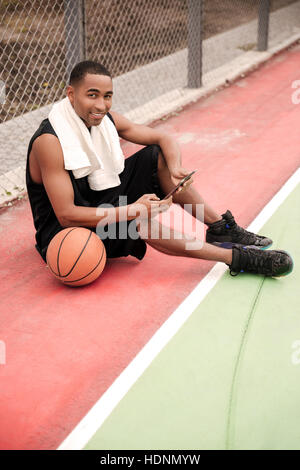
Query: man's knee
x=161, y=162
x=148, y=228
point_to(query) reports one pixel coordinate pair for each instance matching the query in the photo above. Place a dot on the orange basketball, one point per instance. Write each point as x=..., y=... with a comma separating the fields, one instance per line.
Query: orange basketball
x=76, y=256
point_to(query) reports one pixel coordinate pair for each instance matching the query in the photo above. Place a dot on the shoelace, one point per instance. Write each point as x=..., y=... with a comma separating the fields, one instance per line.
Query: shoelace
x=248, y=237
x=260, y=263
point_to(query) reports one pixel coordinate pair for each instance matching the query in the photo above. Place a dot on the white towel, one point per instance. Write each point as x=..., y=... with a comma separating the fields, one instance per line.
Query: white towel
x=96, y=154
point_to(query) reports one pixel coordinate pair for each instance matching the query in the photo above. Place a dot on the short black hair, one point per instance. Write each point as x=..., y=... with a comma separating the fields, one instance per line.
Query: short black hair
x=87, y=66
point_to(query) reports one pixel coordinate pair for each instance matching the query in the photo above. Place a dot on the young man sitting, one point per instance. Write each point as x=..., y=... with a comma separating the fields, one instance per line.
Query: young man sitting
x=75, y=167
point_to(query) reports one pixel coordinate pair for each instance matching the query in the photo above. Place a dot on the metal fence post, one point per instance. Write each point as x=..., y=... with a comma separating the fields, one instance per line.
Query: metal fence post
x=194, y=44
x=75, y=37
x=263, y=25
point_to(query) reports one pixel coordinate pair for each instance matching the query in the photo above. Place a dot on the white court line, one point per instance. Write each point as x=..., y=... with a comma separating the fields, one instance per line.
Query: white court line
x=94, y=419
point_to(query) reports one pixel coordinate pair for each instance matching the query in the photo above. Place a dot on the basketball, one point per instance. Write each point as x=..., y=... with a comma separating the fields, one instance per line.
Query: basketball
x=76, y=256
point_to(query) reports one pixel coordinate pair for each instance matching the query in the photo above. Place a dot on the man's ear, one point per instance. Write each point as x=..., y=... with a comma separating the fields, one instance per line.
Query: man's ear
x=70, y=93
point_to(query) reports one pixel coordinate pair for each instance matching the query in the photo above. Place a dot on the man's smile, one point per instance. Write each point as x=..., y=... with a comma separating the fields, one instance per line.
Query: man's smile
x=97, y=115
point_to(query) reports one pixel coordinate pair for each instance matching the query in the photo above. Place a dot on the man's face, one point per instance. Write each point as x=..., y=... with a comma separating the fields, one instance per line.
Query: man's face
x=91, y=98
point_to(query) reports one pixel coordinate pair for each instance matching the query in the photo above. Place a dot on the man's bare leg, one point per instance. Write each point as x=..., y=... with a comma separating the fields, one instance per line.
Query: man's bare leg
x=189, y=196
x=176, y=246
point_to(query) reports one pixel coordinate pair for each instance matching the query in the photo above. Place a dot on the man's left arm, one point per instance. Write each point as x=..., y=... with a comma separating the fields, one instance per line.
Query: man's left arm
x=145, y=135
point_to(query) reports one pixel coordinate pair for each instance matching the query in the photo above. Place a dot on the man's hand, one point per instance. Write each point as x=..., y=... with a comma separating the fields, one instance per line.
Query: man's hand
x=177, y=174
x=149, y=206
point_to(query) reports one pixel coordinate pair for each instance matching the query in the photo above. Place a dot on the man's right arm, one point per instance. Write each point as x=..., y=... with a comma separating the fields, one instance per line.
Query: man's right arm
x=59, y=188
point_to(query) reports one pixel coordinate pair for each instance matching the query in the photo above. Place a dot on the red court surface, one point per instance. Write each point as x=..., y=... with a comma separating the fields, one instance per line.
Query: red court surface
x=64, y=346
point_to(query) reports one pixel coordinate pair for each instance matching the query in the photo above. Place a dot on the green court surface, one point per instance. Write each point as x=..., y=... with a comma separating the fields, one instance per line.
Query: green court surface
x=230, y=377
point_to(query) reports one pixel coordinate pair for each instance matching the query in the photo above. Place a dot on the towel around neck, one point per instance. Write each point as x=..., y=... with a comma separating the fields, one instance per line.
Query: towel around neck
x=95, y=152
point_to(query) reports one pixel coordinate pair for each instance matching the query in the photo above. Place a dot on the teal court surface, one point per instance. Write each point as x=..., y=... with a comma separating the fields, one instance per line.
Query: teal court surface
x=229, y=378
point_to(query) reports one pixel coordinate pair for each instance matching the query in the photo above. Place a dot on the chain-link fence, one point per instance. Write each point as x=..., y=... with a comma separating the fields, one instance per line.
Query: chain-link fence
x=155, y=50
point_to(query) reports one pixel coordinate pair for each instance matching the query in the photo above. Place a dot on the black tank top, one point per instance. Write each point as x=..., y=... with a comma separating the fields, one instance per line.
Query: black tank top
x=44, y=218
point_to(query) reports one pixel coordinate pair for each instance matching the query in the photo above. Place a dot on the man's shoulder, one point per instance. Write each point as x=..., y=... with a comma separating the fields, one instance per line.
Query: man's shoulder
x=43, y=141
x=46, y=146
x=46, y=128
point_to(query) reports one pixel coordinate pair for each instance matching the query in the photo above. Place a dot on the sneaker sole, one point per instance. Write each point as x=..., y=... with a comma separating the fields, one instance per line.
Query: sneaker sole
x=230, y=245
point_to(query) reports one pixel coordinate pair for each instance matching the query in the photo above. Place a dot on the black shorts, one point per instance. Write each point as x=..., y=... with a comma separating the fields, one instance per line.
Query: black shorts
x=139, y=177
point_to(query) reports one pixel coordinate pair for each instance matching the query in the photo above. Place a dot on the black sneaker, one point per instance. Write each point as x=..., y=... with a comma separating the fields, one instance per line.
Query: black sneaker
x=252, y=260
x=226, y=233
